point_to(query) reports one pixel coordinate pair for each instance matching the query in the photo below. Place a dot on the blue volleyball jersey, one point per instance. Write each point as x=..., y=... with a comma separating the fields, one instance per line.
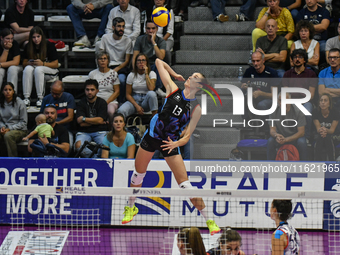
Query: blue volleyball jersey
x=293, y=238
x=174, y=116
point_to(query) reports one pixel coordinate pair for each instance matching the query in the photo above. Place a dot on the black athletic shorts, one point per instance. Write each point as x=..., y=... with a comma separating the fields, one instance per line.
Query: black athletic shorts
x=151, y=144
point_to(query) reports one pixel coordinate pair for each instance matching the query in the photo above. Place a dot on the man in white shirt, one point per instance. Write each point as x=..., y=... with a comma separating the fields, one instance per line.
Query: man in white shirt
x=130, y=14
x=119, y=47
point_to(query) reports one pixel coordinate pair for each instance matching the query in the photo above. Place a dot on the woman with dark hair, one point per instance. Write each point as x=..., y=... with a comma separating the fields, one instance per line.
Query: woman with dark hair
x=40, y=60
x=169, y=130
x=9, y=58
x=140, y=85
x=325, y=119
x=189, y=241
x=19, y=17
x=305, y=32
x=108, y=83
x=229, y=243
x=120, y=142
x=285, y=239
x=13, y=118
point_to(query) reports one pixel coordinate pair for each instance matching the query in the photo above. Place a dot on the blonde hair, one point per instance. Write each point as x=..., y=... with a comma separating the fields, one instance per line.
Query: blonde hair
x=40, y=118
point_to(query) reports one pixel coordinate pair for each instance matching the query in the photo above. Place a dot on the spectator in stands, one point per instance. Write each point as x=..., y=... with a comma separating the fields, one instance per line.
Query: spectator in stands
x=294, y=134
x=165, y=32
x=183, y=8
x=40, y=60
x=88, y=9
x=152, y=46
x=273, y=47
x=119, y=47
x=108, y=83
x=301, y=77
x=229, y=242
x=333, y=42
x=305, y=33
x=9, y=58
x=60, y=138
x=131, y=16
x=20, y=19
x=329, y=78
x=320, y=18
x=121, y=143
x=218, y=10
x=292, y=6
x=246, y=10
x=13, y=119
x=262, y=79
x=189, y=241
x=65, y=105
x=140, y=85
x=325, y=119
x=285, y=23
x=91, y=117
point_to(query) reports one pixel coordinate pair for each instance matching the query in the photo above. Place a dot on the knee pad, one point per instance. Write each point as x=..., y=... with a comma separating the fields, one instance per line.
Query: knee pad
x=185, y=185
x=137, y=178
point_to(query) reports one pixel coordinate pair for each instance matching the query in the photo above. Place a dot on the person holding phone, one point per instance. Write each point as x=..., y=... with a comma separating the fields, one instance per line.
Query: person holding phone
x=40, y=61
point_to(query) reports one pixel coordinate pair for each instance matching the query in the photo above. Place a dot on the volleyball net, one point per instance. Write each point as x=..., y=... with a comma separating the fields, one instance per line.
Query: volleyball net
x=81, y=220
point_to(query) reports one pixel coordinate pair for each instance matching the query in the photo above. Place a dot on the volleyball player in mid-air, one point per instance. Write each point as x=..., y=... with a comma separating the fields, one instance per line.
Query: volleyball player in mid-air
x=180, y=112
x=285, y=239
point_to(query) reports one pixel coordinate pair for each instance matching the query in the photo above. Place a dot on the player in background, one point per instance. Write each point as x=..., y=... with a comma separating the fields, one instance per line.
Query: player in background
x=189, y=241
x=285, y=239
x=180, y=112
x=229, y=242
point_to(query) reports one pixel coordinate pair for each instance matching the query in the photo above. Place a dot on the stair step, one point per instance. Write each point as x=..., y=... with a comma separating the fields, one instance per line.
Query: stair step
x=205, y=13
x=217, y=135
x=216, y=42
x=212, y=57
x=213, y=27
x=213, y=151
x=210, y=71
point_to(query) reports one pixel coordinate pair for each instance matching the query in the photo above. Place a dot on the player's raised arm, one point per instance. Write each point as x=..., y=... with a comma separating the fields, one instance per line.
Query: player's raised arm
x=165, y=72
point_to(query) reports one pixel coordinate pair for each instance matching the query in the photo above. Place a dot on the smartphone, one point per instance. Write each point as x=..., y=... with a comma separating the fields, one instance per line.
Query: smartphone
x=31, y=60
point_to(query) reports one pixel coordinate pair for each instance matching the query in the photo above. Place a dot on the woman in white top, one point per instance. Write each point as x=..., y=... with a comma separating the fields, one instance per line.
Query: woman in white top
x=305, y=33
x=108, y=83
x=139, y=89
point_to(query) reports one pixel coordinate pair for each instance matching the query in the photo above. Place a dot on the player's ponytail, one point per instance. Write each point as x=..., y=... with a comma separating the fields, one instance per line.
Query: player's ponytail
x=283, y=208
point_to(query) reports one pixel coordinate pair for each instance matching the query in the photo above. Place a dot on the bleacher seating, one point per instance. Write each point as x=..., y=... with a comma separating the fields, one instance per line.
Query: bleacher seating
x=215, y=49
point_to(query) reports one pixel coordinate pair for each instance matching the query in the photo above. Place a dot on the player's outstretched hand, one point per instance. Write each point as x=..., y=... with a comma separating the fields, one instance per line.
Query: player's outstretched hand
x=179, y=77
x=169, y=145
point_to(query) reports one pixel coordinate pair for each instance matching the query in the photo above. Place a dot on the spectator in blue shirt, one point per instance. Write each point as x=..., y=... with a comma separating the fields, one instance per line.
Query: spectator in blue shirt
x=329, y=78
x=64, y=104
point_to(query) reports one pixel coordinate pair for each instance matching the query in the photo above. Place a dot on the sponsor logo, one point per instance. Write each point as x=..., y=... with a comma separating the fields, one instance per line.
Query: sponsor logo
x=74, y=190
x=59, y=190
x=146, y=192
x=335, y=204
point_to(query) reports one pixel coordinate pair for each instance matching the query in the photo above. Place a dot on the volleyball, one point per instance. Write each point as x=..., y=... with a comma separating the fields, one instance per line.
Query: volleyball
x=161, y=16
